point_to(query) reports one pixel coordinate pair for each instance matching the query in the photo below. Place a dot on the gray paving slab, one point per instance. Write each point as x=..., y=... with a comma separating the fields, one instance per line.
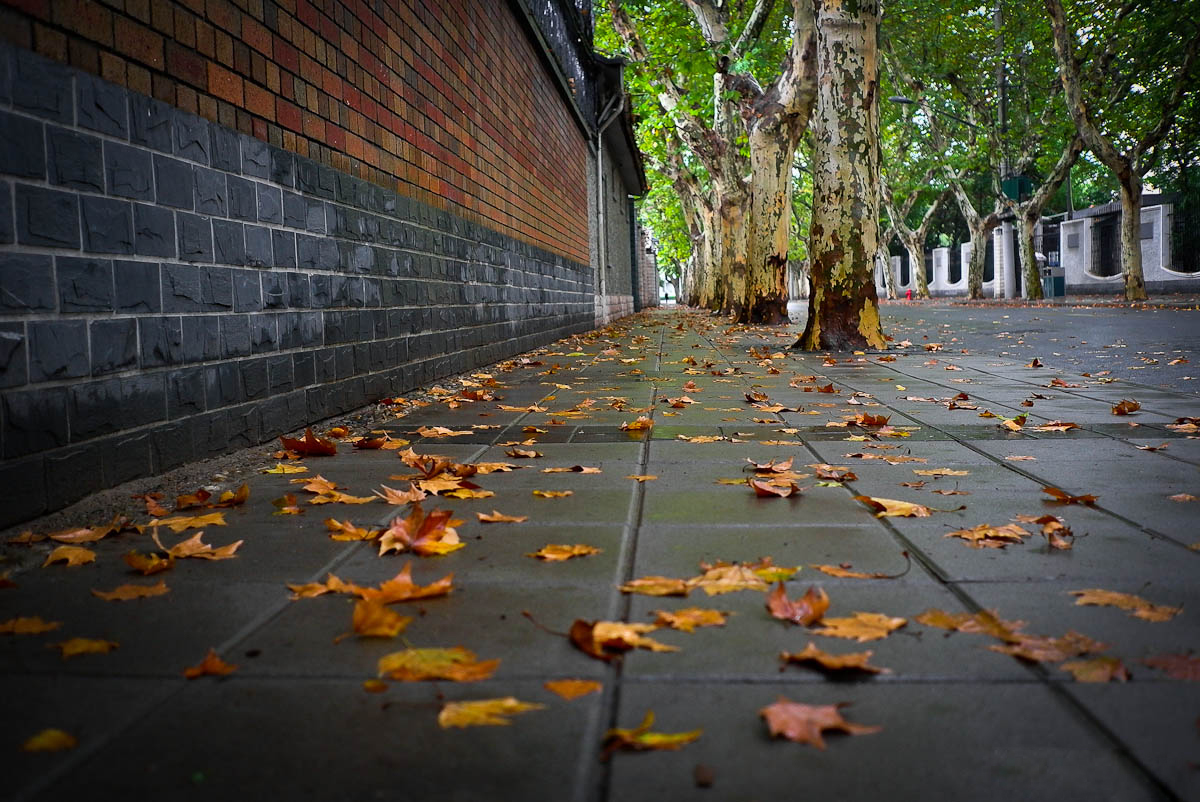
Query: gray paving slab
x=960, y=720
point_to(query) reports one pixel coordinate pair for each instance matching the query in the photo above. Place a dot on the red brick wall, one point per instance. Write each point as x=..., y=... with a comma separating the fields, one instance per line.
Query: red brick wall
x=445, y=101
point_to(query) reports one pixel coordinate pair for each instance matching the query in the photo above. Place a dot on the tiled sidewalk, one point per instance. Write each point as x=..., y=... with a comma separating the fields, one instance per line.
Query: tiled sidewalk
x=959, y=721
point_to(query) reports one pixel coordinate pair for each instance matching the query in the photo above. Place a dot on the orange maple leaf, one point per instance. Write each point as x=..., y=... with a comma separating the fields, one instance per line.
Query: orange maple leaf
x=211, y=664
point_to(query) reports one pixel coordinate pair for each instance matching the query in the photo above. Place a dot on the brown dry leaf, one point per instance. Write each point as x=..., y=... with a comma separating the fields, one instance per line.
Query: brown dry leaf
x=688, y=619
x=1177, y=666
x=985, y=622
x=1037, y=649
x=189, y=501
x=441, y=431
x=730, y=578
x=804, y=724
x=658, y=586
x=1020, y=458
x=231, y=498
x=771, y=466
x=279, y=468
x=834, y=473
x=195, y=547
x=422, y=534
x=346, y=531
x=642, y=423
x=399, y=588
x=773, y=488
x=374, y=620
x=861, y=627
x=1097, y=669
x=287, y=505
x=147, y=564
x=310, y=445
x=26, y=538
x=497, y=517
x=484, y=468
x=50, y=740
x=640, y=739
x=439, y=484
x=603, y=639
x=71, y=555
x=1135, y=605
x=27, y=625
x=128, y=592
x=856, y=661
x=83, y=535
x=642, y=477
x=570, y=689
x=179, y=523
x=74, y=647
x=940, y=472
x=1056, y=426
x=1067, y=498
x=572, y=469
x=889, y=507
x=1126, y=407
x=991, y=537
x=210, y=665
x=483, y=712
x=805, y=610
x=522, y=453
x=456, y=664
x=399, y=497
x=1182, y=497
x=558, y=552
x=951, y=492
x=844, y=571
x=553, y=493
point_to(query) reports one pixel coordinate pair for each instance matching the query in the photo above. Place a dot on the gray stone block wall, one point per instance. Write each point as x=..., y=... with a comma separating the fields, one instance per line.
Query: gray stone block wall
x=171, y=289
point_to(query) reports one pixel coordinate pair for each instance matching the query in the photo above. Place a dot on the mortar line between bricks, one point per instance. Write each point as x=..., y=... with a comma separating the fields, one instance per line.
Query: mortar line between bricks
x=1037, y=670
x=619, y=607
x=79, y=756
x=1153, y=534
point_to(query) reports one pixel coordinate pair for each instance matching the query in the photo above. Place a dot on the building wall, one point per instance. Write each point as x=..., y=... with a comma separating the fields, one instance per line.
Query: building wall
x=649, y=293
x=175, y=287
x=444, y=101
x=617, y=301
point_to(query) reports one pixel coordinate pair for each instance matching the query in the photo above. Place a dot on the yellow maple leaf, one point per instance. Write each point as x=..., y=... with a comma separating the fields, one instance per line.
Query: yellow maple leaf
x=572, y=688
x=640, y=738
x=281, y=467
x=71, y=555
x=497, y=517
x=688, y=619
x=553, y=493
x=50, y=740
x=77, y=646
x=128, y=592
x=557, y=552
x=456, y=664
x=1135, y=605
x=861, y=627
x=483, y=712
x=180, y=522
x=27, y=625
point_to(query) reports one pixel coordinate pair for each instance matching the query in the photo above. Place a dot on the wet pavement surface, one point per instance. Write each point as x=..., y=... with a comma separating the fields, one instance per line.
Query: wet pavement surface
x=958, y=719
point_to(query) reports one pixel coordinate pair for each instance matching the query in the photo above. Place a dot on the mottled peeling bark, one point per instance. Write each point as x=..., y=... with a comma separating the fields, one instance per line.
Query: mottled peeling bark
x=844, y=236
x=1131, y=236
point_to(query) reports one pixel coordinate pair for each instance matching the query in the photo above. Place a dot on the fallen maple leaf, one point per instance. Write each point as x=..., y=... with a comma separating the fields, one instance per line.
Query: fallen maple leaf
x=1067, y=498
x=27, y=625
x=984, y=622
x=558, y=552
x=483, y=712
x=74, y=647
x=834, y=473
x=804, y=724
x=988, y=536
x=194, y=546
x=1182, y=497
x=805, y=610
x=940, y=472
x=861, y=627
x=773, y=488
x=888, y=507
x=179, y=523
x=1036, y=648
x=128, y=592
x=522, y=453
x=843, y=571
x=604, y=640
x=147, y=564
x=1176, y=666
x=657, y=586
x=1135, y=605
x=640, y=738
x=856, y=661
x=373, y=620
x=400, y=497
x=279, y=468
x=441, y=431
x=688, y=618
x=422, y=534
x=456, y=664
x=570, y=689
x=1126, y=407
x=399, y=588
x=210, y=665
x=1020, y=458
x=497, y=517
x=50, y=740
x=84, y=535
x=642, y=423
x=346, y=531
x=642, y=477
x=310, y=445
x=1056, y=426
x=71, y=555
x=572, y=469
x=730, y=578
x=553, y=493
x=287, y=505
x=1097, y=669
